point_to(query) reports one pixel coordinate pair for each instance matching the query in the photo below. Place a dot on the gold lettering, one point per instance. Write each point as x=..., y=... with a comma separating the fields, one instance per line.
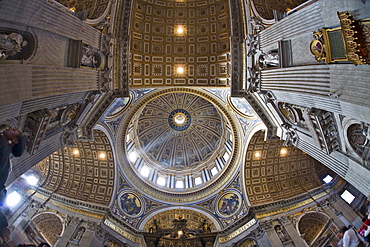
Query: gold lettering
x=238, y=231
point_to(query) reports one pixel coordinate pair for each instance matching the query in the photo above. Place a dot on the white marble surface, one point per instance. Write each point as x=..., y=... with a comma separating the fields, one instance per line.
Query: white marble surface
x=329, y=9
x=301, y=52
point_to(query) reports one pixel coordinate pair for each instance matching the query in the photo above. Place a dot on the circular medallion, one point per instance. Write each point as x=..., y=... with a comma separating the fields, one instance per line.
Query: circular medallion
x=316, y=47
x=117, y=107
x=228, y=204
x=130, y=204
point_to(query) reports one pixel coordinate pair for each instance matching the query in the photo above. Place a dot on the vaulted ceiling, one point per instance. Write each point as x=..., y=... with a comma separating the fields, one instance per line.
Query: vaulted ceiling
x=180, y=43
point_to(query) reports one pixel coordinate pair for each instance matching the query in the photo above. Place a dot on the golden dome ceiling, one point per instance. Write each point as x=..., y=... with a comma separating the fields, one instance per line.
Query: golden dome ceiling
x=189, y=140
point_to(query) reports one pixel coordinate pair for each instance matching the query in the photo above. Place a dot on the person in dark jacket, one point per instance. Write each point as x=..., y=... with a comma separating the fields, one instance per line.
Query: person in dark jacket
x=11, y=142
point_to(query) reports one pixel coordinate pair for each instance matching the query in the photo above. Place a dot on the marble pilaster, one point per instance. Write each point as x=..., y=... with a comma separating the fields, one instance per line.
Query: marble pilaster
x=292, y=231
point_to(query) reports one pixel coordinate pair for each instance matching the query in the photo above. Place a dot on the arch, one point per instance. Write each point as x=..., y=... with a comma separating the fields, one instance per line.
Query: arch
x=357, y=138
x=274, y=172
x=148, y=218
x=316, y=226
x=109, y=135
x=47, y=226
x=248, y=242
x=75, y=176
x=78, y=234
x=256, y=128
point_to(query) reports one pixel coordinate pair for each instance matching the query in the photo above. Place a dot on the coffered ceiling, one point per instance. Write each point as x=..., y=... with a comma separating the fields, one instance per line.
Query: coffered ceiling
x=198, y=54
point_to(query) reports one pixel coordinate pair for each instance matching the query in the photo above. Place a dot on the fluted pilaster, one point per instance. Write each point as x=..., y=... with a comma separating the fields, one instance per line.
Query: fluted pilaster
x=43, y=81
x=348, y=169
x=9, y=111
x=306, y=20
x=26, y=162
x=350, y=84
x=48, y=81
x=334, y=164
x=43, y=15
x=48, y=102
x=339, y=88
x=313, y=80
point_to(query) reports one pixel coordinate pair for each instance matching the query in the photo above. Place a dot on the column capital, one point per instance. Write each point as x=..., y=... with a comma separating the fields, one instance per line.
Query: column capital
x=267, y=225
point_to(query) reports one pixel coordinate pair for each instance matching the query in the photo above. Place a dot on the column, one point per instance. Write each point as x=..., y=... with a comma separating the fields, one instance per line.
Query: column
x=26, y=162
x=303, y=21
x=21, y=219
x=271, y=233
x=332, y=212
x=37, y=81
x=346, y=213
x=88, y=237
x=292, y=231
x=337, y=88
x=348, y=169
x=53, y=17
x=68, y=232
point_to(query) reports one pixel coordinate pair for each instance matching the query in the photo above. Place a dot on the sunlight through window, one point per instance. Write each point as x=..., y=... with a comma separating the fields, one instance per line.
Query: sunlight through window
x=328, y=179
x=214, y=171
x=347, y=196
x=198, y=180
x=32, y=180
x=132, y=156
x=161, y=181
x=13, y=199
x=145, y=171
x=179, y=184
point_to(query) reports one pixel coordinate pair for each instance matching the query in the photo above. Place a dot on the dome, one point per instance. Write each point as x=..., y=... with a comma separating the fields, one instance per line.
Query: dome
x=178, y=141
x=179, y=131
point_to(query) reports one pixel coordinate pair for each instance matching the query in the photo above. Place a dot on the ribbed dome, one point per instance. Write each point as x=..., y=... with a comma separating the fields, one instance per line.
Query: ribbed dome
x=178, y=142
x=179, y=130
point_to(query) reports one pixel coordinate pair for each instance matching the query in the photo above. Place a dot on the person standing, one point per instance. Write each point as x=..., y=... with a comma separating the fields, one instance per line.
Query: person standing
x=349, y=237
x=11, y=142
